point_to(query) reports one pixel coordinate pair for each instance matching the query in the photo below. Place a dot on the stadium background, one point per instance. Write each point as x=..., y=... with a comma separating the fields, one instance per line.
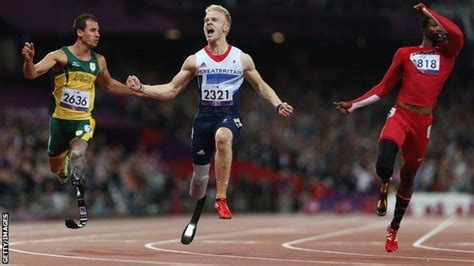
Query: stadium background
x=310, y=52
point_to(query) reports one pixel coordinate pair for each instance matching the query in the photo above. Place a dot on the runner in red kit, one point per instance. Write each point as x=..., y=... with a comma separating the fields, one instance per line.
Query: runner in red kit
x=423, y=70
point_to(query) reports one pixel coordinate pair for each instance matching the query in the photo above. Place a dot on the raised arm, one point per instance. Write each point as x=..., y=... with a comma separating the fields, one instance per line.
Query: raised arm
x=108, y=83
x=166, y=92
x=455, y=39
x=379, y=91
x=30, y=70
x=263, y=89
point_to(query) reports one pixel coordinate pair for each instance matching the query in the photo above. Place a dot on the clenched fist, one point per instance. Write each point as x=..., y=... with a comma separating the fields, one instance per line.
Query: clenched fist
x=28, y=51
x=133, y=83
x=343, y=107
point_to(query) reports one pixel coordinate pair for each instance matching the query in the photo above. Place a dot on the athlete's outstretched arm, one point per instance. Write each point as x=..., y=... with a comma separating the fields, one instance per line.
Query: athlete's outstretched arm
x=455, y=39
x=108, y=83
x=30, y=70
x=391, y=78
x=263, y=89
x=166, y=92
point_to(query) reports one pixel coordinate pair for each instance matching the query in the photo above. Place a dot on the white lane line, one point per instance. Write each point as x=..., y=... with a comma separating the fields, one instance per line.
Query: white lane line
x=59, y=239
x=347, y=231
x=231, y=242
x=350, y=231
x=418, y=243
x=102, y=259
x=67, y=238
x=86, y=237
x=152, y=245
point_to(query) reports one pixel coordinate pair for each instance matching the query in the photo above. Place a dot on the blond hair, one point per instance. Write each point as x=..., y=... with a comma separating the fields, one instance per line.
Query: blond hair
x=221, y=9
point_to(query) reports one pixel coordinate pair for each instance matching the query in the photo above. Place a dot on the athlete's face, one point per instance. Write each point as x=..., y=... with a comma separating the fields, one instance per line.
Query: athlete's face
x=215, y=26
x=434, y=32
x=90, y=35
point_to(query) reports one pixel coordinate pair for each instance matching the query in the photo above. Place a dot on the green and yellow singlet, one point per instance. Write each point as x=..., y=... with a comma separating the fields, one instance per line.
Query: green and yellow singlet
x=74, y=88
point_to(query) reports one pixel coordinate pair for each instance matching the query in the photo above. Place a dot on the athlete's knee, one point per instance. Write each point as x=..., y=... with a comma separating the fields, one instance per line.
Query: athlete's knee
x=197, y=188
x=54, y=168
x=223, y=138
x=55, y=165
x=78, y=162
x=386, y=159
x=76, y=154
x=78, y=148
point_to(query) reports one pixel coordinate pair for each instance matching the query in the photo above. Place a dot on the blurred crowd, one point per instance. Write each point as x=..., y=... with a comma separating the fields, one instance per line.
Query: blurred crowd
x=332, y=156
x=318, y=159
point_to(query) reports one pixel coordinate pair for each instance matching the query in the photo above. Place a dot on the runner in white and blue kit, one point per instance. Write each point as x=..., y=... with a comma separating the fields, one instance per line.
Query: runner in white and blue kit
x=219, y=79
x=220, y=69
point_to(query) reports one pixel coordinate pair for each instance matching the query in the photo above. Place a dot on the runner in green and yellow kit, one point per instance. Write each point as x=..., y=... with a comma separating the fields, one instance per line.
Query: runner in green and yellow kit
x=72, y=123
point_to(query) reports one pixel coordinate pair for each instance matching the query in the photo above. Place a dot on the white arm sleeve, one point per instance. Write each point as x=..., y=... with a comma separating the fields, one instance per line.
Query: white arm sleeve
x=370, y=100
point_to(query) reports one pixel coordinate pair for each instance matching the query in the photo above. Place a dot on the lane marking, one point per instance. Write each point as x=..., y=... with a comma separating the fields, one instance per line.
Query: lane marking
x=152, y=245
x=232, y=242
x=353, y=230
x=347, y=231
x=445, y=224
x=86, y=237
x=101, y=259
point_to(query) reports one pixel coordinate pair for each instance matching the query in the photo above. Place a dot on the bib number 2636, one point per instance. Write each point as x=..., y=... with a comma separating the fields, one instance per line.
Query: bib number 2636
x=75, y=99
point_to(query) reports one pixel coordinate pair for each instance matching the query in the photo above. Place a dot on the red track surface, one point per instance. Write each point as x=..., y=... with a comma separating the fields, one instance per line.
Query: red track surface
x=245, y=240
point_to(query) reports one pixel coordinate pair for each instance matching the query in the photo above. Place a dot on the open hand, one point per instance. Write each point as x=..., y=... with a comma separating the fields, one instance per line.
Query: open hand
x=419, y=6
x=285, y=109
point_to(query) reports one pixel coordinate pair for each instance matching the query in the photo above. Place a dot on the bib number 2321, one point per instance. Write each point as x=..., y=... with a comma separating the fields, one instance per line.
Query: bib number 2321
x=217, y=95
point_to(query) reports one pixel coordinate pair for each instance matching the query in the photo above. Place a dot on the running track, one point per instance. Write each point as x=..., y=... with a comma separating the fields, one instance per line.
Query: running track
x=245, y=240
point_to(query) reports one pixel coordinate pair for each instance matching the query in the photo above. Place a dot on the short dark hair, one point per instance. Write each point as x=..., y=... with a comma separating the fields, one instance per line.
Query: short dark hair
x=424, y=22
x=80, y=21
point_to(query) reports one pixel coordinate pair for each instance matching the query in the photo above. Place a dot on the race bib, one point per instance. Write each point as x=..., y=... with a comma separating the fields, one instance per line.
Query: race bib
x=75, y=99
x=217, y=94
x=426, y=63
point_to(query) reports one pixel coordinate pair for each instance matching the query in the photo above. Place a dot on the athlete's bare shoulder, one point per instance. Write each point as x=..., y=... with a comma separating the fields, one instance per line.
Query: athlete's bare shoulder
x=190, y=63
x=191, y=58
x=102, y=62
x=245, y=56
x=59, y=56
x=59, y=52
x=99, y=56
x=247, y=61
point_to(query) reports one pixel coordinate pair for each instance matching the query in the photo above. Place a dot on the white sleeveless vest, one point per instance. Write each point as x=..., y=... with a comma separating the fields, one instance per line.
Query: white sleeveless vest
x=219, y=82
